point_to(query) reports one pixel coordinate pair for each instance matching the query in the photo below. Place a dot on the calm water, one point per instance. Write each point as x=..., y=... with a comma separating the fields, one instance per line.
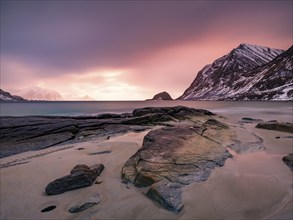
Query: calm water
x=272, y=110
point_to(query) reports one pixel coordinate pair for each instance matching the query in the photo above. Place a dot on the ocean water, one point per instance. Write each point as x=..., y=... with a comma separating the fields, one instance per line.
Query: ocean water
x=268, y=110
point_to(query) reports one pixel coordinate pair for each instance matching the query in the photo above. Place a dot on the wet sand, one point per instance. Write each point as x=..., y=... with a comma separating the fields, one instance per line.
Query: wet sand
x=251, y=185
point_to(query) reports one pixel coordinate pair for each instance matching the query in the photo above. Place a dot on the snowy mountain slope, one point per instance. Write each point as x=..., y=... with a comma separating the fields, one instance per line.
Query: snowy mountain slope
x=6, y=96
x=234, y=73
x=274, y=80
x=38, y=93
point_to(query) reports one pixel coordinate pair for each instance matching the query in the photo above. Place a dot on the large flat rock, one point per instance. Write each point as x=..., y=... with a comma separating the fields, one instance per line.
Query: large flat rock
x=172, y=157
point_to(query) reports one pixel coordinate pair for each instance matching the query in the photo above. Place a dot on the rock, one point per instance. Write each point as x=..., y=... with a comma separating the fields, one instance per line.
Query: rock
x=100, y=152
x=288, y=160
x=49, y=208
x=80, y=176
x=171, y=157
x=177, y=111
x=109, y=115
x=83, y=205
x=167, y=194
x=149, y=119
x=278, y=126
x=250, y=120
x=162, y=96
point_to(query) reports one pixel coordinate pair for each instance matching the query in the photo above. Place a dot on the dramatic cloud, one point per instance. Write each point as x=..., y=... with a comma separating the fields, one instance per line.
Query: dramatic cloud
x=143, y=47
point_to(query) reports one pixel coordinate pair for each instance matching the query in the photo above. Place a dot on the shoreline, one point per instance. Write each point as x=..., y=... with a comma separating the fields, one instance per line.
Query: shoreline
x=254, y=185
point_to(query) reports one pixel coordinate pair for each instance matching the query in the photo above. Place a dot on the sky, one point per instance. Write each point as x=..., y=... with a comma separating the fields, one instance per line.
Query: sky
x=129, y=50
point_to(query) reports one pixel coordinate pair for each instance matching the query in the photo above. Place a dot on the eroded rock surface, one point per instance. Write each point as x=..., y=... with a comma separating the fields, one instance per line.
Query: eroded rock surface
x=80, y=176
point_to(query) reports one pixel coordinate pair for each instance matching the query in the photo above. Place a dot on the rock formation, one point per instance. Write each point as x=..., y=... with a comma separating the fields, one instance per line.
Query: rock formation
x=80, y=176
x=162, y=96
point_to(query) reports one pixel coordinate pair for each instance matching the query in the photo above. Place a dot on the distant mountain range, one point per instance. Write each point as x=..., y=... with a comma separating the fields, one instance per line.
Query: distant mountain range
x=37, y=94
x=6, y=96
x=248, y=72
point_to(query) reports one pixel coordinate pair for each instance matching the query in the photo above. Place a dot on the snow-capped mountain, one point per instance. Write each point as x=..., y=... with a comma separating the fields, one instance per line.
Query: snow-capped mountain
x=6, y=96
x=38, y=93
x=272, y=81
x=243, y=71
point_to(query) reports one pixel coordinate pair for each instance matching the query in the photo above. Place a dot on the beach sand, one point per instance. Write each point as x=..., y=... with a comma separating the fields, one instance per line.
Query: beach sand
x=251, y=185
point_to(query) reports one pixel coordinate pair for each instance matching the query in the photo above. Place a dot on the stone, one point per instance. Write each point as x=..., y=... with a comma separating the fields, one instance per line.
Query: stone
x=100, y=152
x=85, y=204
x=80, y=176
x=278, y=126
x=288, y=160
x=49, y=208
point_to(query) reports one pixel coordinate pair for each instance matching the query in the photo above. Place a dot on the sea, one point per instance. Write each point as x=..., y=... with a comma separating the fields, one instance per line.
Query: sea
x=269, y=110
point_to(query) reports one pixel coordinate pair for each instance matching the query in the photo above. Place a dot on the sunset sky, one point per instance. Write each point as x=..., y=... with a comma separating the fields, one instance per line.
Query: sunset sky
x=129, y=50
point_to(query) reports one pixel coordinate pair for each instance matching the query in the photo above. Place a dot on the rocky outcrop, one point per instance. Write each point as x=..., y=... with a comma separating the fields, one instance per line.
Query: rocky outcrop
x=278, y=126
x=288, y=160
x=172, y=157
x=20, y=134
x=162, y=96
x=80, y=176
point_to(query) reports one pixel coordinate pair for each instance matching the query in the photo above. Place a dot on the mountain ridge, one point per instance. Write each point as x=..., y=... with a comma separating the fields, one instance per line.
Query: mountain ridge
x=229, y=74
x=6, y=96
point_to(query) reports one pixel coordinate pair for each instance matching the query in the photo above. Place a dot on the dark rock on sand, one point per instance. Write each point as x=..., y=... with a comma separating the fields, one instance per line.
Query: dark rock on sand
x=278, y=126
x=100, y=152
x=83, y=205
x=80, y=176
x=49, y=208
x=288, y=160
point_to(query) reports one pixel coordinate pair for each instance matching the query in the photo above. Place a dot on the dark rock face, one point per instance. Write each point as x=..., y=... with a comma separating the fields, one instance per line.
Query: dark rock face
x=80, y=176
x=278, y=126
x=288, y=160
x=162, y=96
x=172, y=157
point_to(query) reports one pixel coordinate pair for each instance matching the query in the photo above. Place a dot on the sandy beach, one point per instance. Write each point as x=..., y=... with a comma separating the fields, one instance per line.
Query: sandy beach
x=251, y=185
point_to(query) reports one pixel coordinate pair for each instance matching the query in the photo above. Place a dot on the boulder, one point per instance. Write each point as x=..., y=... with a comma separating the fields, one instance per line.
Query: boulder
x=171, y=157
x=278, y=126
x=80, y=176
